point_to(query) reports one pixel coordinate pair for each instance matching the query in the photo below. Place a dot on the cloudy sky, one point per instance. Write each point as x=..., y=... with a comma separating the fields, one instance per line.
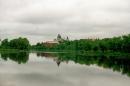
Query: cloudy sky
x=41, y=20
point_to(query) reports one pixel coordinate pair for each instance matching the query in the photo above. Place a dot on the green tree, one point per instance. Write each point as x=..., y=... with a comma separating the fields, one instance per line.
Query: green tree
x=20, y=43
x=5, y=43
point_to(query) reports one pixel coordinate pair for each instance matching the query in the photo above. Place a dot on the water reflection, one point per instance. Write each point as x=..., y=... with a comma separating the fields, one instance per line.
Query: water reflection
x=115, y=61
x=19, y=57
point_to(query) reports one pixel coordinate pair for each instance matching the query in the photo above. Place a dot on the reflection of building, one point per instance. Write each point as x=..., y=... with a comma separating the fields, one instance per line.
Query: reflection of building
x=47, y=55
x=52, y=56
x=57, y=61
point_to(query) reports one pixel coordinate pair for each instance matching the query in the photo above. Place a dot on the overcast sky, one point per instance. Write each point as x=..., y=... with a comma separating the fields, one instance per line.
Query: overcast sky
x=41, y=20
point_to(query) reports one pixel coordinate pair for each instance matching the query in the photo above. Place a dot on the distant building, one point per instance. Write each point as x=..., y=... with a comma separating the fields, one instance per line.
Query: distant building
x=59, y=38
x=50, y=43
x=56, y=41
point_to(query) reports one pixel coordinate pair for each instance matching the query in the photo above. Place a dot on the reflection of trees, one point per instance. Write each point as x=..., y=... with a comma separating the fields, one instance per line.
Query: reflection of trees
x=120, y=63
x=117, y=62
x=19, y=57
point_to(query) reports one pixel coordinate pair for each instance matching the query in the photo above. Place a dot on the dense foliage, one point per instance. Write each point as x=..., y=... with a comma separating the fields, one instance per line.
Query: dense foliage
x=121, y=44
x=19, y=43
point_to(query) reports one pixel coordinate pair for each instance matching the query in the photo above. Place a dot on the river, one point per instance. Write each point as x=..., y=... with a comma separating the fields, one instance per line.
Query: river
x=49, y=69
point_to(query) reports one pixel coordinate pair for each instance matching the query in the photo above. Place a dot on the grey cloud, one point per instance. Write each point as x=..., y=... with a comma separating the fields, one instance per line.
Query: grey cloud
x=41, y=20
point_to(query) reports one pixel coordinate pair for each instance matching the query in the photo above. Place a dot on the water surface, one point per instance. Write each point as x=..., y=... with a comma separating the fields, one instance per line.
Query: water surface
x=63, y=69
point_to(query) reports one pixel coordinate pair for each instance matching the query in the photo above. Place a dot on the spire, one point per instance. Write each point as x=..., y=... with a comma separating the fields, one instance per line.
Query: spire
x=67, y=38
x=59, y=36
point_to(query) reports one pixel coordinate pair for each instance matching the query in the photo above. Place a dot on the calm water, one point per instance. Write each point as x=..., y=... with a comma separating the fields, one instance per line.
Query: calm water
x=63, y=69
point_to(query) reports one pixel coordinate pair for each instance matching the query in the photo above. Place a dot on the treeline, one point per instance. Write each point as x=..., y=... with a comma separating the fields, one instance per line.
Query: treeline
x=119, y=44
x=18, y=43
